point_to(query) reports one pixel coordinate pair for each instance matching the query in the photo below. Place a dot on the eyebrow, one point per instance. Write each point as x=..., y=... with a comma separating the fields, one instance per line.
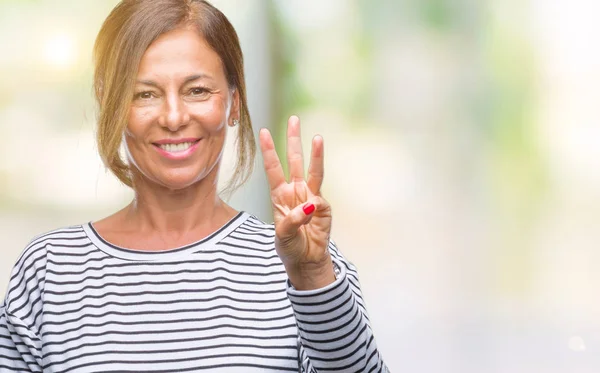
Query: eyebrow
x=187, y=80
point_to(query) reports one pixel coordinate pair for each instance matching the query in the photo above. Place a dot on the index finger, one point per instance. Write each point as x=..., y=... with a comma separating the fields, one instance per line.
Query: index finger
x=294, y=150
x=273, y=168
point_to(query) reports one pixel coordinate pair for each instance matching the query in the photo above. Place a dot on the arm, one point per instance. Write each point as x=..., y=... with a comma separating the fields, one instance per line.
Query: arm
x=333, y=327
x=19, y=346
x=20, y=314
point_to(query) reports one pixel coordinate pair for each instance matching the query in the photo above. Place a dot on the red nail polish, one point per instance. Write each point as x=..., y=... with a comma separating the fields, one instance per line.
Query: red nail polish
x=308, y=209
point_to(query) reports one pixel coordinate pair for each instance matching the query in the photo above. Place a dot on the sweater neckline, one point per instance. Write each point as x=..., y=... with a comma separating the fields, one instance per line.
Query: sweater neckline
x=141, y=255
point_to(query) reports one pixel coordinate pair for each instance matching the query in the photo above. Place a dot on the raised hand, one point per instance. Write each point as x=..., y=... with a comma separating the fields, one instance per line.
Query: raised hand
x=302, y=217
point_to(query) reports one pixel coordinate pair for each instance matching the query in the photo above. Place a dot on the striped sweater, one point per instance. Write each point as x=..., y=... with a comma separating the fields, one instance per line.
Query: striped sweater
x=77, y=303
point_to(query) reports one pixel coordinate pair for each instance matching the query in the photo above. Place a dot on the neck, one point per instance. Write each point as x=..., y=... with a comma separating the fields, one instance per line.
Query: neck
x=156, y=208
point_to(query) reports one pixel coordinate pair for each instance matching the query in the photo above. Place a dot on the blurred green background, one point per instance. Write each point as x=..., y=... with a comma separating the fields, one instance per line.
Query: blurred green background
x=462, y=146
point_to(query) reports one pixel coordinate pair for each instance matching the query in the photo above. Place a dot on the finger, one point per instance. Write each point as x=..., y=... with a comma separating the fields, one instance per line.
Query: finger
x=294, y=149
x=273, y=168
x=298, y=216
x=316, y=169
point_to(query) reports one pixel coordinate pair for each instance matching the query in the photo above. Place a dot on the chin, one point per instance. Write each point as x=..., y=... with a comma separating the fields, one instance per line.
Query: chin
x=180, y=180
x=173, y=180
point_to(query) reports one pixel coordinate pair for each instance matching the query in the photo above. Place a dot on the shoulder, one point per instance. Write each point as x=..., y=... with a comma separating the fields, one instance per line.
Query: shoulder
x=251, y=233
x=39, y=244
x=34, y=255
x=250, y=225
x=58, y=234
x=253, y=222
x=29, y=271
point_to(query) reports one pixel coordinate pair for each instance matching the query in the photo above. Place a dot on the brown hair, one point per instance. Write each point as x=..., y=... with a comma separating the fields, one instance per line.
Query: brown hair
x=124, y=37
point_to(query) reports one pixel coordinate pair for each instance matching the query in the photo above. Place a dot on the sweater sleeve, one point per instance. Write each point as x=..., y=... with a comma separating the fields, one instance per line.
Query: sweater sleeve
x=334, y=331
x=19, y=346
x=20, y=313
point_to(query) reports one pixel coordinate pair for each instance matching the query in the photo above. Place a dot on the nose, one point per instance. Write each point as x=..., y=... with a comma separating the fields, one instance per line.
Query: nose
x=174, y=114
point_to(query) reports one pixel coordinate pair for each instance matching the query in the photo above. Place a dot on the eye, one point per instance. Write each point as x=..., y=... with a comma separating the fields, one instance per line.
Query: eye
x=146, y=95
x=198, y=91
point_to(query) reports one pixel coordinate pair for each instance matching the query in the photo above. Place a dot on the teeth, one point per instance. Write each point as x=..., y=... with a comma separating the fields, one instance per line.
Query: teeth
x=176, y=148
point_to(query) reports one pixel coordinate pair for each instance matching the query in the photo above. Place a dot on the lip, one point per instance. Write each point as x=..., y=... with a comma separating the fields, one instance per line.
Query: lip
x=176, y=141
x=179, y=155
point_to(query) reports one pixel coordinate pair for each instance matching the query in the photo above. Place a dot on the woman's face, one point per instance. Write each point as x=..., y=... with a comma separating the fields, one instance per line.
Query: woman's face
x=180, y=111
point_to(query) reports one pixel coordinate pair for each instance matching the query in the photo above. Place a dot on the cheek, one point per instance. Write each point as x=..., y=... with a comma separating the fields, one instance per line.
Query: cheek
x=139, y=122
x=212, y=113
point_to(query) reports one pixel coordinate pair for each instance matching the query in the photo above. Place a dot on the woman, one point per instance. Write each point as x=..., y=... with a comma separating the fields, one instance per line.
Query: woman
x=179, y=281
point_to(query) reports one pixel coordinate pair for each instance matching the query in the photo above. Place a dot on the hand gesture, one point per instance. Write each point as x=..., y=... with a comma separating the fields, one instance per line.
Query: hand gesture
x=302, y=217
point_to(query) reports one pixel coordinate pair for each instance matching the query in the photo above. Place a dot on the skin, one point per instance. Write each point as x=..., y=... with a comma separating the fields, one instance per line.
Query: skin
x=182, y=92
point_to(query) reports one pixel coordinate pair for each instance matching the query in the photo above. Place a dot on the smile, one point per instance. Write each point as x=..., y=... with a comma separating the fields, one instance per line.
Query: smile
x=177, y=150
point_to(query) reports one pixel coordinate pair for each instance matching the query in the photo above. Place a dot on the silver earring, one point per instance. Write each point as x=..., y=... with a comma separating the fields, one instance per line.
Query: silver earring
x=236, y=122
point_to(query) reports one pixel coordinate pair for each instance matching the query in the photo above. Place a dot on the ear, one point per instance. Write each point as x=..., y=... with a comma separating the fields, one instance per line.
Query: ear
x=234, y=112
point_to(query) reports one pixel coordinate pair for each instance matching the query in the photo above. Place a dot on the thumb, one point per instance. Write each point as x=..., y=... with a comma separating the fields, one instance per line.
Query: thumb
x=297, y=217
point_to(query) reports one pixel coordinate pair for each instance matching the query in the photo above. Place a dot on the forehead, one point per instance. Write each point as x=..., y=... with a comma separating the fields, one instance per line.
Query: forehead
x=179, y=53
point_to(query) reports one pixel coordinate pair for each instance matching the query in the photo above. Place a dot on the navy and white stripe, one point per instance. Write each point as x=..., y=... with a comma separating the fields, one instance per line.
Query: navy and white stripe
x=77, y=303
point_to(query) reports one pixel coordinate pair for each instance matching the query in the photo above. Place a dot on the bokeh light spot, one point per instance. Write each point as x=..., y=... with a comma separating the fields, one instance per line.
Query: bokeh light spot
x=59, y=51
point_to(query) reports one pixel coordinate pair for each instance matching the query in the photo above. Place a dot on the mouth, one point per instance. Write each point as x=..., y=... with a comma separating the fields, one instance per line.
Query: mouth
x=177, y=149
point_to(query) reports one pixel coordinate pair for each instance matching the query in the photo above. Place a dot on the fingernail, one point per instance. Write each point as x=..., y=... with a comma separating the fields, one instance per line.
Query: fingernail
x=308, y=208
